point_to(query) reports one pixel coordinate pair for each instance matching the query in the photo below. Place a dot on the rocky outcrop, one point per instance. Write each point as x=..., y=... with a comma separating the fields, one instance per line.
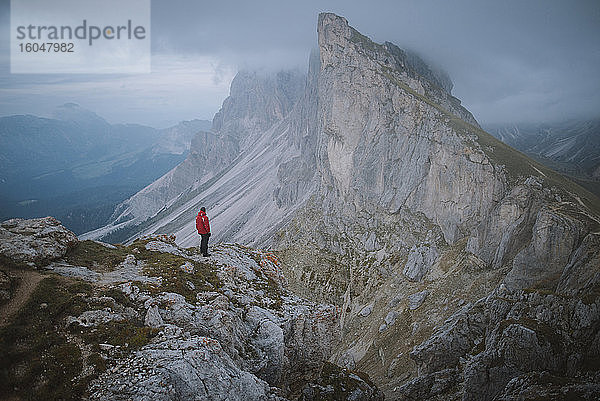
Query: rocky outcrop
x=420, y=259
x=36, y=242
x=510, y=338
x=156, y=321
x=238, y=342
x=181, y=368
x=338, y=384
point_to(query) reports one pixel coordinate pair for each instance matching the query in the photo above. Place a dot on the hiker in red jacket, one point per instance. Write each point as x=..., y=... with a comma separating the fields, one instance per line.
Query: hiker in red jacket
x=203, y=228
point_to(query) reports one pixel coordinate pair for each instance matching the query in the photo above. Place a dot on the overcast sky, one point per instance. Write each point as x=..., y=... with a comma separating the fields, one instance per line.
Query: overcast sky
x=510, y=61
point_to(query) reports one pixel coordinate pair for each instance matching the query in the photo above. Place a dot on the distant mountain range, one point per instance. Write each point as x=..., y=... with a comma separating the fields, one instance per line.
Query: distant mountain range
x=77, y=167
x=571, y=147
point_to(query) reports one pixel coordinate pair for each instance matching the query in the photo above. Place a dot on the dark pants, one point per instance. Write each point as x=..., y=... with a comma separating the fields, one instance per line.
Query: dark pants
x=204, y=244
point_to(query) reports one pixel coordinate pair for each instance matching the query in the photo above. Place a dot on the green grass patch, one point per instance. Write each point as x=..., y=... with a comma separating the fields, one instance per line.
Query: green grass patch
x=157, y=264
x=96, y=256
x=128, y=334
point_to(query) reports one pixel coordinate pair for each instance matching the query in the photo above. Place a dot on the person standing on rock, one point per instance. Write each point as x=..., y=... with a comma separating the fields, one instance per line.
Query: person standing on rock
x=203, y=228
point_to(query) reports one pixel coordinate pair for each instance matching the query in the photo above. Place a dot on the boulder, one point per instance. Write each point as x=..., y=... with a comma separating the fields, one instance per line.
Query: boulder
x=36, y=242
x=180, y=368
x=417, y=299
x=420, y=260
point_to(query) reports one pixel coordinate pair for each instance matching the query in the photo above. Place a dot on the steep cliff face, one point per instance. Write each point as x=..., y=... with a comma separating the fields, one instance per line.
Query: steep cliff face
x=418, y=213
x=383, y=195
x=383, y=145
x=256, y=102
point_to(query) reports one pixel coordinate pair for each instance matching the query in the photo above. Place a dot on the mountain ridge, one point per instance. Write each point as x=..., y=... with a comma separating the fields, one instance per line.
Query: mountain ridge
x=570, y=147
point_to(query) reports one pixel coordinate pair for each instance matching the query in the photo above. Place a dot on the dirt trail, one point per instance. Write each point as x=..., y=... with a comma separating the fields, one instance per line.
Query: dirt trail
x=29, y=280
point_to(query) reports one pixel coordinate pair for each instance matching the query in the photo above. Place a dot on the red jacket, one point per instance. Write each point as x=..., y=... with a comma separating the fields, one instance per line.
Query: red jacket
x=202, y=224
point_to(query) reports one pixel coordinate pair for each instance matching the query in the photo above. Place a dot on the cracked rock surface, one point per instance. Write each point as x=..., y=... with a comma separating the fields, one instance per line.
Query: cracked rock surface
x=36, y=241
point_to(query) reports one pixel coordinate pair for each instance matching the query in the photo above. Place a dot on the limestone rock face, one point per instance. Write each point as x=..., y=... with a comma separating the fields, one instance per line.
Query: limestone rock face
x=181, y=368
x=384, y=146
x=581, y=274
x=412, y=190
x=257, y=101
x=417, y=299
x=496, y=240
x=507, y=339
x=554, y=238
x=420, y=259
x=35, y=241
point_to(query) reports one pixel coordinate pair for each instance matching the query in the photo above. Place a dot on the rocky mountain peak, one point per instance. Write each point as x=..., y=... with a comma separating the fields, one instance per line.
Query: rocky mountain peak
x=74, y=113
x=256, y=101
x=337, y=40
x=332, y=30
x=412, y=60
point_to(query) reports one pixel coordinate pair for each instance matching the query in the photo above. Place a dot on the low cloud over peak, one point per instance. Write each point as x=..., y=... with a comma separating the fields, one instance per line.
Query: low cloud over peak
x=509, y=61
